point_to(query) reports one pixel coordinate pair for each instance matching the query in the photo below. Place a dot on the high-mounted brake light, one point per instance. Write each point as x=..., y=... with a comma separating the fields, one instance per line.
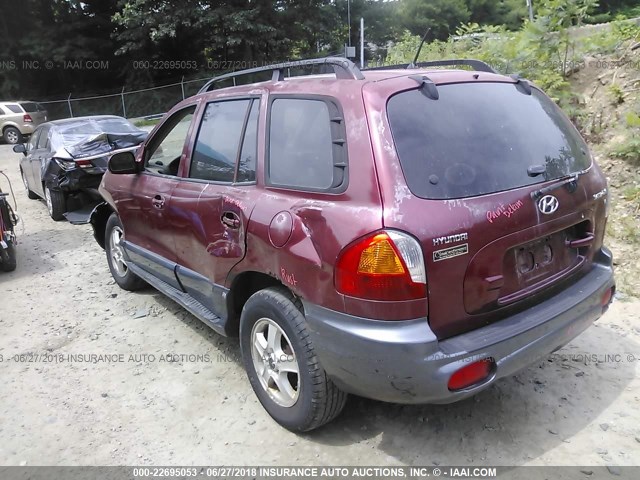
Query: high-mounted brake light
x=386, y=265
x=27, y=118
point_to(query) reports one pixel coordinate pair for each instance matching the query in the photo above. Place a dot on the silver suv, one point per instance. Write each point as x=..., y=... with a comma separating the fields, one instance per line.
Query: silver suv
x=20, y=119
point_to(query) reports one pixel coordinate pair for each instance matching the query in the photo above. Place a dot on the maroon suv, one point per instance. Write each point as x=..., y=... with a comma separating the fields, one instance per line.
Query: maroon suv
x=409, y=235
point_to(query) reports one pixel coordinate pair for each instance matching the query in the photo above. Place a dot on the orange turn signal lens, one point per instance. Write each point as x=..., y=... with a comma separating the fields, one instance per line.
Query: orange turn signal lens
x=380, y=258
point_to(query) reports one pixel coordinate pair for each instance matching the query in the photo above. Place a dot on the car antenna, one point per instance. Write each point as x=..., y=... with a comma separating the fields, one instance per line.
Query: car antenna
x=415, y=59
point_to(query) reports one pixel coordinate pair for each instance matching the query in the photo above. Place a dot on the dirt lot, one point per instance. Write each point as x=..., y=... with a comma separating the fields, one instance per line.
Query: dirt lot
x=579, y=407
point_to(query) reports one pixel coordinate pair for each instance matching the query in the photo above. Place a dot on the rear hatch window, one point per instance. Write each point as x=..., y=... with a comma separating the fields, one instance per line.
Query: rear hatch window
x=481, y=138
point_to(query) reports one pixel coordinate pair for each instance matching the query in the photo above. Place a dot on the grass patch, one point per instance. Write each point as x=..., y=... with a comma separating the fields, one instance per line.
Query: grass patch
x=146, y=123
x=628, y=149
x=624, y=228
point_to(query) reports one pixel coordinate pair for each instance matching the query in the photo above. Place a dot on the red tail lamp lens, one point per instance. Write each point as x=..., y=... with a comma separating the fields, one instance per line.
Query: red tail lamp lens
x=471, y=374
x=27, y=118
x=374, y=269
x=606, y=297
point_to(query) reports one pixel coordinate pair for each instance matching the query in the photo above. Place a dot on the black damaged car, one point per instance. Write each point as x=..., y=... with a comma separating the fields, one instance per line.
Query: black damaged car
x=65, y=159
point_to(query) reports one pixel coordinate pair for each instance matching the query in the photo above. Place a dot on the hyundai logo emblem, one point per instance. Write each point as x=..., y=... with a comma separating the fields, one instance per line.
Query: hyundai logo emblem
x=548, y=204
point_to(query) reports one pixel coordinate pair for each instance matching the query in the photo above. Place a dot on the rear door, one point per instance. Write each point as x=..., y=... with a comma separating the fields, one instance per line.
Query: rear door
x=212, y=202
x=27, y=161
x=143, y=200
x=474, y=166
x=39, y=158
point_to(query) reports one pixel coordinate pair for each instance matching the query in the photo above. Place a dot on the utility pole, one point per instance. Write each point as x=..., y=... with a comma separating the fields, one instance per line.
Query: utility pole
x=349, y=21
x=361, y=42
x=530, y=5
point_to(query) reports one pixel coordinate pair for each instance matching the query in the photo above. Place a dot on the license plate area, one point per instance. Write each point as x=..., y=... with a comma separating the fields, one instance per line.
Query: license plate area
x=536, y=260
x=536, y=265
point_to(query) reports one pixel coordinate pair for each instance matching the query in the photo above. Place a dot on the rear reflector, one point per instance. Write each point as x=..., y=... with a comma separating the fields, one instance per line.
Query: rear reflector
x=27, y=118
x=607, y=296
x=471, y=374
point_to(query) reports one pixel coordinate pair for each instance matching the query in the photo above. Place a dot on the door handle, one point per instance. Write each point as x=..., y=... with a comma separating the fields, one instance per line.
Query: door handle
x=158, y=201
x=231, y=220
x=580, y=242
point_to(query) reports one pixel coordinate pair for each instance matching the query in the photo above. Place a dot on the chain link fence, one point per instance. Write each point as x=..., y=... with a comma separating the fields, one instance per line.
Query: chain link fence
x=130, y=104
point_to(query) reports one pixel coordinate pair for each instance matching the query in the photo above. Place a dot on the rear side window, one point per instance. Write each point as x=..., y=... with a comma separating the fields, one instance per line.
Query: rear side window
x=307, y=148
x=14, y=108
x=214, y=156
x=480, y=138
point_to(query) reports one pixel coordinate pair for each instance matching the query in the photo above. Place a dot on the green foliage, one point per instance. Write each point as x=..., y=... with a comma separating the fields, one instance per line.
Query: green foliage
x=632, y=119
x=542, y=50
x=146, y=123
x=609, y=10
x=632, y=194
x=628, y=149
x=617, y=93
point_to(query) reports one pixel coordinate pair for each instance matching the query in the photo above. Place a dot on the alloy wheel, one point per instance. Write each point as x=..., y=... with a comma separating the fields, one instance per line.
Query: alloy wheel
x=117, y=253
x=11, y=137
x=275, y=362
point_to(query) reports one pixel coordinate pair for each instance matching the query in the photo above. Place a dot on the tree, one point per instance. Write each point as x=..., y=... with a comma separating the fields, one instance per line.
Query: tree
x=60, y=32
x=441, y=16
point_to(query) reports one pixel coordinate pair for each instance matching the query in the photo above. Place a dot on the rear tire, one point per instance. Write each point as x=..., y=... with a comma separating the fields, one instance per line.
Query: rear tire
x=113, y=237
x=8, y=261
x=285, y=373
x=12, y=136
x=30, y=194
x=56, y=203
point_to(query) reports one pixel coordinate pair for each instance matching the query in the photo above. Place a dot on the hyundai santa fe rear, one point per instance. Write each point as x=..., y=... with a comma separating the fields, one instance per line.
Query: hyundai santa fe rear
x=408, y=235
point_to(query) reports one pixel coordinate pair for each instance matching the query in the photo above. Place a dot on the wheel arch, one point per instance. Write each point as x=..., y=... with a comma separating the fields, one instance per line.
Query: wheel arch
x=11, y=125
x=98, y=220
x=242, y=287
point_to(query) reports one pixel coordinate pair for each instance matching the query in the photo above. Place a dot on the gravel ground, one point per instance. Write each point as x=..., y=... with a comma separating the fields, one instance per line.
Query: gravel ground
x=174, y=393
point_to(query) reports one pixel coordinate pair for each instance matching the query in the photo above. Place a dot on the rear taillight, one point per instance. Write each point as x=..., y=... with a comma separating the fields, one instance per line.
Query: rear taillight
x=386, y=265
x=471, y=374
x=84, y=163
x=27, y=118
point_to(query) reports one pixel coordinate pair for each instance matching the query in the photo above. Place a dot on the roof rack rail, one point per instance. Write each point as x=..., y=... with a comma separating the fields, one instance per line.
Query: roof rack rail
x=342, y=67
x=477, y=65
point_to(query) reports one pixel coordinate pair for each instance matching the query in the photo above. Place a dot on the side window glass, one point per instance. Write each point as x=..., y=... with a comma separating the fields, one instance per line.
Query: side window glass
x=249, y=151
x=14, y=108
x=33, y=140
x=301, y=147
x=216, y=150
x=165, y=149
x=43, y=141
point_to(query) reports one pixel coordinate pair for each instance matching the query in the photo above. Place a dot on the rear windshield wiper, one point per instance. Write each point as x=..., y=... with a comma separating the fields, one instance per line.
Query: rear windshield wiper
x=570, y=180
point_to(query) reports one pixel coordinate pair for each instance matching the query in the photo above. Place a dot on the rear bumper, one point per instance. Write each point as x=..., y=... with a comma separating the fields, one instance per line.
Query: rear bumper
x=403, y=362
x=27, y=128
x=74, y=180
